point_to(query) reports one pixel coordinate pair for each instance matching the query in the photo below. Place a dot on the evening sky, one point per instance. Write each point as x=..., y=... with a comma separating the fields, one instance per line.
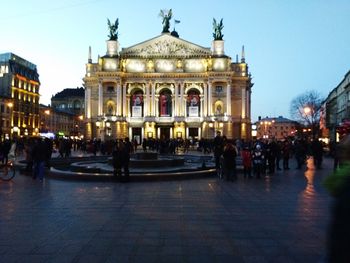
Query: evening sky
x=290, y=46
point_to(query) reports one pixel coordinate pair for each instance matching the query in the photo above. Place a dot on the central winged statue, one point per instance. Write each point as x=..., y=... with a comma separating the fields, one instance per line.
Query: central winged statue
x=166, y=15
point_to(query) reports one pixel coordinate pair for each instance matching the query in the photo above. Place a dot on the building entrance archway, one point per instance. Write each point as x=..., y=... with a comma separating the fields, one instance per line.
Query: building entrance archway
x=165, y=133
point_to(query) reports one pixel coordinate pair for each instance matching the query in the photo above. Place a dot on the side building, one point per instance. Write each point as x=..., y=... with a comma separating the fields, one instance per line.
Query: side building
x=337, y=107
x=60, y=123
x=19, y=88
x=69, y=100
x=278, y=128
x=167, y=87
x=6, y=109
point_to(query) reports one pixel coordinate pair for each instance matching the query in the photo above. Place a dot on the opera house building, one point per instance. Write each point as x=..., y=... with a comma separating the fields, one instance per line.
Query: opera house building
x=167, y=87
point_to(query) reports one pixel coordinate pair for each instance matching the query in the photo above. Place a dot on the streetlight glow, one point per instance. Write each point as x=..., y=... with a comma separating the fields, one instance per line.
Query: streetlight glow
x=307, y=110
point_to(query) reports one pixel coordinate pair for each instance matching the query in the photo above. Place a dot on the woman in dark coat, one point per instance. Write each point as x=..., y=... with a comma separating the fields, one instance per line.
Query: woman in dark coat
x=117, y=159
x=229, y=164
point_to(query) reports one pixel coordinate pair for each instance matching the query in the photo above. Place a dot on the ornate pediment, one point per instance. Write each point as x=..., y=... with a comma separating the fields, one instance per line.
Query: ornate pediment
x=165, y=46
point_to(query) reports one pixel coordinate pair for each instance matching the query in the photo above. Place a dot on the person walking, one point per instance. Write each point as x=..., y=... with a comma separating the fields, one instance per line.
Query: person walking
x=117, y=157
x=271, y=155
x=247, y=162
x=229, y=162
x=40, y=153
x=279, y=145
x=317, y=152
x=300, y=153
x=218, y=150
x=286, y=151
x=127, y=150
x=144, y=145
x=258, y=160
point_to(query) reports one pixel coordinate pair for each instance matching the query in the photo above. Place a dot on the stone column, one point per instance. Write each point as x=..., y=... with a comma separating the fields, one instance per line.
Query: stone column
x=173, y=98
x=128, y=112
x=125, y=105
x=130, y=133
x=176, y=98
x=153, y=100
x=243, y=103
x=146, y=104
x=156, y=106
x=201, y=106
x=247, y=104
x=210, y=106
x=100, y=99
x=87, y=102
x=228, y=99
x=205, y=100
x=182, y=109
x=119, y=100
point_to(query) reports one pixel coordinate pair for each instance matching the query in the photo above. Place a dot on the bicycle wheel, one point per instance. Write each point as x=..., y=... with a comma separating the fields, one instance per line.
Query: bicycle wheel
x=7, y=172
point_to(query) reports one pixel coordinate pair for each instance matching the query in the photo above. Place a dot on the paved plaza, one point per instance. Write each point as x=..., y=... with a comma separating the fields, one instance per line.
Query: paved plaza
x=280, y=218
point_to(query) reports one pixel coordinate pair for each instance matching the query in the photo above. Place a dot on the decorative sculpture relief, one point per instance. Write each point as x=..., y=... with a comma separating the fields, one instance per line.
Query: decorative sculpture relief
x=165, y=48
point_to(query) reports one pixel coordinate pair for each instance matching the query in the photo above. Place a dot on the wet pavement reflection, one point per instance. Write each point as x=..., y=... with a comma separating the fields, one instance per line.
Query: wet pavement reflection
x=279, y=218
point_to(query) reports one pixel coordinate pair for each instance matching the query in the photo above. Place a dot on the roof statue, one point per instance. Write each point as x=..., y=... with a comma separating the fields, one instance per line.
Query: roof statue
x=218, y=29
x=166, y=15
x=113, y=29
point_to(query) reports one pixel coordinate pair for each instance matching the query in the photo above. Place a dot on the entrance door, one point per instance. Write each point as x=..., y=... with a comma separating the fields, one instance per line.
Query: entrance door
x=136, y=134
x=193, y=133
x=165, y=133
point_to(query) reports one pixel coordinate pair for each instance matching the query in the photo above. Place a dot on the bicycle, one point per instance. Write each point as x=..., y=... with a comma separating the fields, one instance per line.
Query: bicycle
x=7, y=171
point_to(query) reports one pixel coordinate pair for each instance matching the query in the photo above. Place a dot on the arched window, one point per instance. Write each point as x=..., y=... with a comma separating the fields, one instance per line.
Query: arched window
x=165, y=104
x=193, y=103
x=136, y=103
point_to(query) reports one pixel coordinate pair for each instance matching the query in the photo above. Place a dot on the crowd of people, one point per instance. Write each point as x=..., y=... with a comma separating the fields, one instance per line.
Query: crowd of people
x=258, y=157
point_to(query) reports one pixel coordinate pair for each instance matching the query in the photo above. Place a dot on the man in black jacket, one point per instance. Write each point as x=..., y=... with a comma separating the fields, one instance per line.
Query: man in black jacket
x=40, y=157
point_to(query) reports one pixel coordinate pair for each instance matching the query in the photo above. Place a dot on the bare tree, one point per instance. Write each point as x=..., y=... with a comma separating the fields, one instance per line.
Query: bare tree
x=306, y=109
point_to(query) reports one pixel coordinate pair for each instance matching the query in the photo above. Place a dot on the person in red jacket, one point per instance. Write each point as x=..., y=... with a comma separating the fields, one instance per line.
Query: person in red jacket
x=247, y=162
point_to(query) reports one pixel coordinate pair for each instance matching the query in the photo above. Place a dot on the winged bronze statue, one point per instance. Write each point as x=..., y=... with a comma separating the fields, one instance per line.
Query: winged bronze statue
x=113, y=29
x=218, y=29
x=166, y=15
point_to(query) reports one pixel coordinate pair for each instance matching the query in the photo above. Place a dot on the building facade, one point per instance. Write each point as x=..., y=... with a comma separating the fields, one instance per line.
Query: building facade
x=58, y=123
x=278, y=128
x=19, y=82
x=6, y=108
x=167, y=87
x=337, y=106
x=69, y=100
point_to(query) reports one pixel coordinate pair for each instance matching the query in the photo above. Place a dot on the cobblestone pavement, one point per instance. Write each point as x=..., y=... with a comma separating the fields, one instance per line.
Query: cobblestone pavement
x=281, y=218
